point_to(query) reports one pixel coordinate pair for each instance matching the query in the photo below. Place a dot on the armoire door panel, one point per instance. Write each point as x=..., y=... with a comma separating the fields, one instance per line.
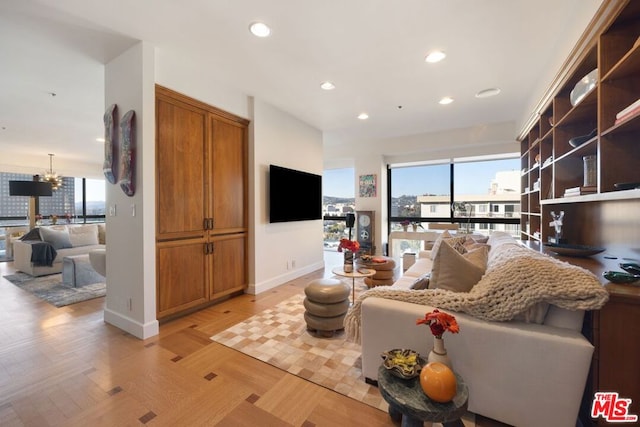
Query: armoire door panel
x=180, y=168
x=229, y=260
x=228, y=174
x=182, y=277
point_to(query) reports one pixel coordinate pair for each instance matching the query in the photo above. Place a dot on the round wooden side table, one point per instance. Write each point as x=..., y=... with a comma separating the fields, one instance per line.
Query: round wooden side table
x=408, y=402
x=356, y=273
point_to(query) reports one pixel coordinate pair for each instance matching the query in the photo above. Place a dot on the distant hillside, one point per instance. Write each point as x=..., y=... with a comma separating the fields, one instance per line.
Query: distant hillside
x=395, y=201
x=331, y=200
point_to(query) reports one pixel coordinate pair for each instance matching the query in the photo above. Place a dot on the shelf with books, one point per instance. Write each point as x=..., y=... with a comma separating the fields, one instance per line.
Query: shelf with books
x=605, y=212
x=632, y=194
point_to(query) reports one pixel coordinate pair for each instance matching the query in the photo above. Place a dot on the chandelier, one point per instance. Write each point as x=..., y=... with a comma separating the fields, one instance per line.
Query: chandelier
x=51, y=177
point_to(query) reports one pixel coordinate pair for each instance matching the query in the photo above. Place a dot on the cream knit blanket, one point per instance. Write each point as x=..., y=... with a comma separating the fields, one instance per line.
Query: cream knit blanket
x=516, y=279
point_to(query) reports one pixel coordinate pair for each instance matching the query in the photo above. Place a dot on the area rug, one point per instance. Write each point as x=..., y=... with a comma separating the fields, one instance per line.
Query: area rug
x=51, y=289
x=279, y=337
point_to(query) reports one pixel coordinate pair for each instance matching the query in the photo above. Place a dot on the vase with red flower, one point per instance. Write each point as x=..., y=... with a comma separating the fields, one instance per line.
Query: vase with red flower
x=439, y=322
x=349, y=248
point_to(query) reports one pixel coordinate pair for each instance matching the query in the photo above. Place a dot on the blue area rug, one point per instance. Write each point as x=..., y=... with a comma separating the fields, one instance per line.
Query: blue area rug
x=52, y=290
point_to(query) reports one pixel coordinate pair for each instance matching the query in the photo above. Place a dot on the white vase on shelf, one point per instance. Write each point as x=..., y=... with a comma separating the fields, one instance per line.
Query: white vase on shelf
x=439, y=353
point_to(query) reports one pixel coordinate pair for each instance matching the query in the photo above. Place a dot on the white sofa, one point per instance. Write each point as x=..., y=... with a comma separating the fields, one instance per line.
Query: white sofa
x=68, y=240
x=522, y=374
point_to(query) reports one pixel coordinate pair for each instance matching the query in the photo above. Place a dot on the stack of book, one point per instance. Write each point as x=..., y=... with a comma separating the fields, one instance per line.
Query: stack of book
x=629, y=111
x=579, y=191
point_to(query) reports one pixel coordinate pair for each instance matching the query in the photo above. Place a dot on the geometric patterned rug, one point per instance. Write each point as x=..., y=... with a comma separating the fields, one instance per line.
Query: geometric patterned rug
x=279, y=337
x=51, y=289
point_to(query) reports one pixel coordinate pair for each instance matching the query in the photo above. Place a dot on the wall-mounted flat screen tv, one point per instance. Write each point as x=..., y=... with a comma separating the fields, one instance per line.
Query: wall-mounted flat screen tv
x=294, y=195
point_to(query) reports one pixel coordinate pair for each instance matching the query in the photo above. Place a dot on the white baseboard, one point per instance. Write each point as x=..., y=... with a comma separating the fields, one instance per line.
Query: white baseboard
x=258, y=288
x=131, y=326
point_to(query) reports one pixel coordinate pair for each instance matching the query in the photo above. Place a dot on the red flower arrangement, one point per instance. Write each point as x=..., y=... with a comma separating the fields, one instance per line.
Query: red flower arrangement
x=349, y=245
x=439, y=322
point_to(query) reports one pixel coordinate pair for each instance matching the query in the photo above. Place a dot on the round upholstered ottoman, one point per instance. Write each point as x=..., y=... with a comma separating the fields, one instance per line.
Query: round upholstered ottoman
x=385, y=271
x=326, y=304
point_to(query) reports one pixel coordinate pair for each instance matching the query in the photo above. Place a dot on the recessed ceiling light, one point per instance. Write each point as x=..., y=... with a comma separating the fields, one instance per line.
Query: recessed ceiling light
x=435, y=56
x=100, y=139
x=446, y=100
x=486, y=93
x=327, y=86
x=260, y=29
x=363, y=116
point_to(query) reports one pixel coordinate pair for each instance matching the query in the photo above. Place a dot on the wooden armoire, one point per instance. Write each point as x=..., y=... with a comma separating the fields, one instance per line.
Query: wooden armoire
x=201, y=203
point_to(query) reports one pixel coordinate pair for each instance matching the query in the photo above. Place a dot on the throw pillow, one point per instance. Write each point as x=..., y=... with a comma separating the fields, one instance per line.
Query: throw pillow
x=59, y=239
x=83, y=235
x=102, y=233
x=421, y=282
x=436, y=245
x=534, y=314
x=455, y=242
x=455, y=271
x=472, y=243
x=33, y=234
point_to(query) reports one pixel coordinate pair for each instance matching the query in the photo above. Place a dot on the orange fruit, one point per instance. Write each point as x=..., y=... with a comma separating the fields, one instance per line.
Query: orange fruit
x=438, y=382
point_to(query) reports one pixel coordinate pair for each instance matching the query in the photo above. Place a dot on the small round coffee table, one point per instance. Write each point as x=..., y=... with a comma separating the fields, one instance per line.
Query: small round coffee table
x=356, y=273
x=408, y=402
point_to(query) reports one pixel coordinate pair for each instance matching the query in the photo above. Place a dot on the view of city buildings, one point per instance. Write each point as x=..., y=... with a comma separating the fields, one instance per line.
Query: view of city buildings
x=501, y=200
x=66, y=201
x=14, y=209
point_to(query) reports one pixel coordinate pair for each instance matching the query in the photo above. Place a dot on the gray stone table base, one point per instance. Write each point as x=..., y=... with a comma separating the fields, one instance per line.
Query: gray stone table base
x=407, y=401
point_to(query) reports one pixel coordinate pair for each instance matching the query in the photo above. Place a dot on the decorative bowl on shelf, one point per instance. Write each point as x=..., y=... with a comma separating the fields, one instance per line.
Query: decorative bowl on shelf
x=579, y=140
x=630, y=267
x=573, y=250
x=583, y=87
x=403, y=363
x=620, y=277
x=626, y=185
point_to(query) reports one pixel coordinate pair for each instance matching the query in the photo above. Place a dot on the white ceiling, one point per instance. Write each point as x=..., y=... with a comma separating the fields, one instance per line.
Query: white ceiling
x=372, y=50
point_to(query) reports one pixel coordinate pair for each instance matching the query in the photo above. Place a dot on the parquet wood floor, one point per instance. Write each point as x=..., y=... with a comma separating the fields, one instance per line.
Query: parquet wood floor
x=67, y=367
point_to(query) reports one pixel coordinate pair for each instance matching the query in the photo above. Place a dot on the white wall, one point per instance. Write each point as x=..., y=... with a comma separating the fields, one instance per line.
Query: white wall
x=131, y=262
x=176, y=71
x=279, y=138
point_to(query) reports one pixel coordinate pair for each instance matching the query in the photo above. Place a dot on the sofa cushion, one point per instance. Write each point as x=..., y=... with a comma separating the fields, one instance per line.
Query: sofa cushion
x=84, y=235
x=422, y=282
x=59, y=239
x=471, y=242
x=33, y=234
x=436, y=245
x=455, y=242
x=455, y=271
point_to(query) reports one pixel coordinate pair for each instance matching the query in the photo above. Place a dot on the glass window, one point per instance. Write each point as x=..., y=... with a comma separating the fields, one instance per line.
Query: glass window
x=483, y=188
x=61, y=202
x=64, y=204
x=420, y=192
x=488, y=182
x=338, y=191
x=95, y=199
x=13, y=209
